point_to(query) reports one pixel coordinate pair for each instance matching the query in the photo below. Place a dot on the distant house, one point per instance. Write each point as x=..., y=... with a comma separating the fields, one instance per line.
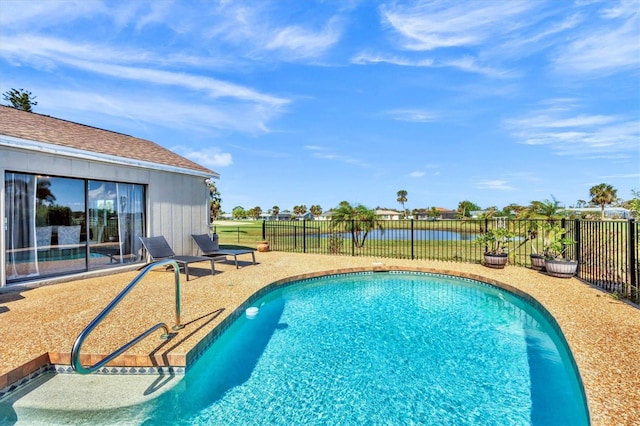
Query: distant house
x=425, y=214
x=386, y=214
x=77, y=198
x=326, y=215
x=609, y=212
x=304, y=216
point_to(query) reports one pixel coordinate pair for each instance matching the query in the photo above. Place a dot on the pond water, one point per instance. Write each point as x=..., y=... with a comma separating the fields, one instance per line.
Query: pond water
x=418, y=235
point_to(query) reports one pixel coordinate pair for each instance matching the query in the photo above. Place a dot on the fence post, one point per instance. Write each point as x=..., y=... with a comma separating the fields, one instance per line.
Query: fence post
x=264, y=230
x=633, y=265
x=576, y=238
x=304, y=235
x=412, y=257
x=353, y=240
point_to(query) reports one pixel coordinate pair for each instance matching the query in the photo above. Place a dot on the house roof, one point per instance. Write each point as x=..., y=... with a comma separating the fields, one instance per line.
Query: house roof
x=387, y=212
x=54, y=131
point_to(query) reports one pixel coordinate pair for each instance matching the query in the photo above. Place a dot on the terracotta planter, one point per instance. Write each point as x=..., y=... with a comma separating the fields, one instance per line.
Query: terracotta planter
x=561, y=268
x=537, y=262
x=263, y=246
x=496, y=261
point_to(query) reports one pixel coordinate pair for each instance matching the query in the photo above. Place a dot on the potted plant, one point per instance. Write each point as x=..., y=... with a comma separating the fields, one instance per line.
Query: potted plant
x=555, y=249
x=537, y=259
x=496, y=241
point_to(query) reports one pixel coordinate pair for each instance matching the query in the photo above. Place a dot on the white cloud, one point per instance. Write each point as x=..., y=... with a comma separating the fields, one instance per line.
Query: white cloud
x=466, y=64
x=16, y=14
x=365, y=58
x=432, y=24
x=416, y=174
x=157, y=111
x=570, y=132
x=605, y=48
x=296, y=42
x=210, y=157
x=412, y=115
x=496, y=184
x=328, y=154
x=54, y=51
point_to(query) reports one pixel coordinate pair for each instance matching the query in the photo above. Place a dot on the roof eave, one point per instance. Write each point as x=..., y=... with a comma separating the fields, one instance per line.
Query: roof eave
x=47, y=148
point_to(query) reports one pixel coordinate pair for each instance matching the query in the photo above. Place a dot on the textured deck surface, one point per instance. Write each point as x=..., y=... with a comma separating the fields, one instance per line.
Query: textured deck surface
x=39, y=326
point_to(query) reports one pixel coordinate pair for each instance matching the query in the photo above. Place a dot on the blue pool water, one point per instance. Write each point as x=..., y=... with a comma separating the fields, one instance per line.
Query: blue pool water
x=382, y=349
x=377, y=348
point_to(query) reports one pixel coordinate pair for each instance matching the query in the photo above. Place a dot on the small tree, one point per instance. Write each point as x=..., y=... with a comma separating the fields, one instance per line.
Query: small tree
x=214, y=200
x=433, y=213
x=465, y=208
x=603, y=195
x=634, y=203
x=357, y=220
x=402, y=198
x=20, y=99
x=238, y=212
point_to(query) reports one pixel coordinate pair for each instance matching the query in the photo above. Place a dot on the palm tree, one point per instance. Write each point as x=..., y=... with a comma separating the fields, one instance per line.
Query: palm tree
x=402, y=198
x=315, y=210
x=275, y=210
x=256, y=212
x=300, y=210
x=547, y=209
x=603, y=195
x=357, y=220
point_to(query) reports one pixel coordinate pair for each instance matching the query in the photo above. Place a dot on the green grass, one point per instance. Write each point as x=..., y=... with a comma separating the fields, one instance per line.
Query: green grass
x=244, y=235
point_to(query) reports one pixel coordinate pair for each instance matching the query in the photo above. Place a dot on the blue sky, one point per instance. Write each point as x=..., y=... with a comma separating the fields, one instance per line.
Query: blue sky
x=303, y=102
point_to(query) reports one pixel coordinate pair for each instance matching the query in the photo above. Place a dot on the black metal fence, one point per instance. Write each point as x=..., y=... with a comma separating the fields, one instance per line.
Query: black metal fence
x=607, y=251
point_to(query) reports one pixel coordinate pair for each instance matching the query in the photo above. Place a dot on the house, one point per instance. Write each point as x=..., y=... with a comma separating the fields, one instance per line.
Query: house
x=326, y=215
x=609, y=212
x=77, y=198
x=386, y=214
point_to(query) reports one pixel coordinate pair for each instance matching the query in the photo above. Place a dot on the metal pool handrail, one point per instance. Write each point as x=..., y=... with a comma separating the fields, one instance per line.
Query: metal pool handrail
x=75, y=351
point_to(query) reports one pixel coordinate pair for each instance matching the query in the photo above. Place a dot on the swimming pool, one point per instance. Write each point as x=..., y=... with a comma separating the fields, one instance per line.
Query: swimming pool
x=377, y=348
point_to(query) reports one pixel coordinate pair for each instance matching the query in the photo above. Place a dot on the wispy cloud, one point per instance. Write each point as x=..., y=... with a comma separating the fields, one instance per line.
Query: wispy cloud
x=609, y=48
x=431, y=25
x=298, y=42
x=417, y=174
x=465, y=63
x=49, y=13
x=261, y=33
x=364, y=58
x=156, y=111
x=412, y=115
x=328, y=154
x=496, y=184
x=57, y=52
x=210, y=157
x=568, y=131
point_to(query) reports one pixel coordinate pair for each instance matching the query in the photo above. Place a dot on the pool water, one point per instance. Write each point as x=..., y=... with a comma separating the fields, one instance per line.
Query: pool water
x=377, y=348
x=382, y=349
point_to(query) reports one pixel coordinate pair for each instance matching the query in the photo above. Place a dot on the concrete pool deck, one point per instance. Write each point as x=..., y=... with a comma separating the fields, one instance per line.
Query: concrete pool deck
x=38, y=326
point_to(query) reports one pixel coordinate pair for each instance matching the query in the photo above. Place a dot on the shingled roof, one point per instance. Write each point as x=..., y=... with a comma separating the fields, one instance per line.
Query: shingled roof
x=45, y=129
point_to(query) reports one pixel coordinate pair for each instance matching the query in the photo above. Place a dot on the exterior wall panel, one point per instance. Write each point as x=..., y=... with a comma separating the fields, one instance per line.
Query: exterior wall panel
x=176, y=203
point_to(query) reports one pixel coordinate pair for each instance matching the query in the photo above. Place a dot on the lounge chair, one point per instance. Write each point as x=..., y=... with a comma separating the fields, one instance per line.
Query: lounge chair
x=210, y=248
x=158, y=248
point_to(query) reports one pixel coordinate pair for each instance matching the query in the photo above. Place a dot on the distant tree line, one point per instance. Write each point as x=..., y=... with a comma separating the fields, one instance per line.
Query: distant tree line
x=601, y=195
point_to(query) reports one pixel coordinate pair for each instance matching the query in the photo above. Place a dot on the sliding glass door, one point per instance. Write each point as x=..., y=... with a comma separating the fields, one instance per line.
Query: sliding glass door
x=58, y=225
x=116, y=223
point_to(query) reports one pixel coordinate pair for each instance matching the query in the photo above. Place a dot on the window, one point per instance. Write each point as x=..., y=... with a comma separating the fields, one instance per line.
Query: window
x=59, y=225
